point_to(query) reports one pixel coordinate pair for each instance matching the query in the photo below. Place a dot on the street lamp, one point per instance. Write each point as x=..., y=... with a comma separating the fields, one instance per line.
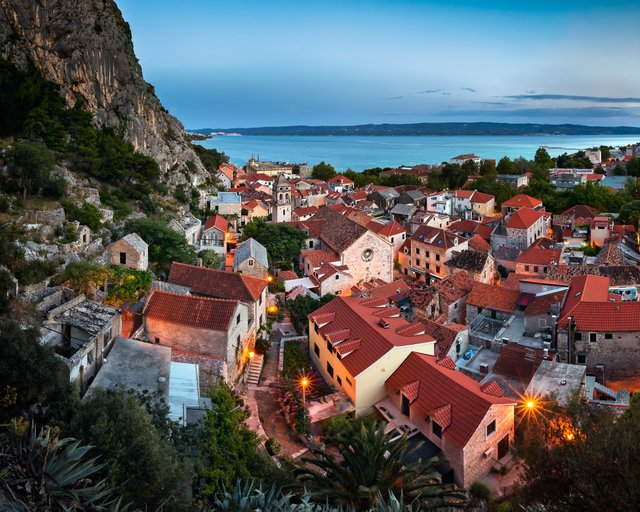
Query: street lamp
x=304, y=382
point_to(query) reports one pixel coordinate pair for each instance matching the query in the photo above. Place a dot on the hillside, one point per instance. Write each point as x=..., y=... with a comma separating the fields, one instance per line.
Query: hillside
x=86, y=48
x=432, y=129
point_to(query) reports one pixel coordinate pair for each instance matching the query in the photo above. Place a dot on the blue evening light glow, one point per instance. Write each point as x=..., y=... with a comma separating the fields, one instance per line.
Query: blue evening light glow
x=225, y=64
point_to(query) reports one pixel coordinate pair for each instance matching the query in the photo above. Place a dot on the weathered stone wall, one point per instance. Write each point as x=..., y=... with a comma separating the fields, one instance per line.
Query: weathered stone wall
x=381, y=264
x=134, y=259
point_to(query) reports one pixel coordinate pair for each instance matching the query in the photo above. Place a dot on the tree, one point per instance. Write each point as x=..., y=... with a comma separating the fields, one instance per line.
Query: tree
x=87, y=214
x=282, y=242
x=542, y=159
x=31, y=376
x=630, y=213
x=605, y=153
x=323, y=171
x=210, y=259
x=228, y=449
x=505, y=166
x=29, y=165
x=372, y=467
x=633, y=166
x=564, y=449
x=165, y=245
x=302, y=306
x=488, y=168
x=141, y=461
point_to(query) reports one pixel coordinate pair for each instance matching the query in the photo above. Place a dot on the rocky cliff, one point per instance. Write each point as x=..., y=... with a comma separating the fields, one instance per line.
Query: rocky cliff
x=86, y=47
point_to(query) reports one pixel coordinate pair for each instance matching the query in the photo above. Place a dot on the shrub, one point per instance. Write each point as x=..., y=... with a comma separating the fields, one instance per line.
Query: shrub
x=480, y=491
x=35, y=271
x=262, y=345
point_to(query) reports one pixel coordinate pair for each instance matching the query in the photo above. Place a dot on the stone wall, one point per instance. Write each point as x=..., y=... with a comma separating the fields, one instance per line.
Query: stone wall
x=134, y=259
x=379, y=267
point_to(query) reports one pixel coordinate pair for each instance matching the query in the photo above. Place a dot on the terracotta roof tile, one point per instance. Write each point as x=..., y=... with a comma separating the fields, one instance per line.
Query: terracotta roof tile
x=454, y=287
x=537, y=256
x=494, y=297
x=471, y=261
x=445, y=335
x=607, y=316
x=217, y=283
x=201, y=312
x=375, y=339
x=524, y=218
x=217, y=222
x=522, y=200
x=456, y=402
x=338, y=232
x=317, y=257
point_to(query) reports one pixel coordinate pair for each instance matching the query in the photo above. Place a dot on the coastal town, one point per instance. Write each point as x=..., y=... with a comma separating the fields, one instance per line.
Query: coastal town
x=447, y=315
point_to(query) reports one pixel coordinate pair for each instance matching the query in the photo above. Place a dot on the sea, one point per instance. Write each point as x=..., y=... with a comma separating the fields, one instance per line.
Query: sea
x=359, y=153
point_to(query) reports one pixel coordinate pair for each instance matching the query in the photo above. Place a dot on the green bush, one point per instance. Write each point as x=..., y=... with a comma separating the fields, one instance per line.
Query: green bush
x=34, y=271
x=87, y=214
x=480, y=491
x=262, y=345
x=296, y=359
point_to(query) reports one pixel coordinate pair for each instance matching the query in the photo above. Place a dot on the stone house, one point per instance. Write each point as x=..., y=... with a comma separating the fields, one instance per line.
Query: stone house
x=479, y=265
x=491, y=301
x=600, y=230
x=521, y=229
x=334, y=279
x=357, y=343
x=537, y=262
x=81, y=332
x=472, y=424
x=471, y=204
x=340, y=183
x=430, y=249
x=254, y=210
x=188, y=226
x=251, y=259
x=215, y=328
x=440, y=202
x=452, y=339
x=207, y=282
x=225, y=203
x=392, y=232
x=130, y=251
x=521, y=201
x=414, y=197
x=595, y=331
x=385, y=198
x=446, y=298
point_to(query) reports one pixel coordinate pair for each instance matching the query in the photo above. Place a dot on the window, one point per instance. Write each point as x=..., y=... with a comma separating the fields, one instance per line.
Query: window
x=526, y=268
x=123, y=258
x=108, y=335
x=437, y=269
x=348, y=381
x=577, y=336
x=251, y=263
x=582, y=359
x=392, y=241
x=535, y=268
x=608, y=336
x=491, y=428
x=316, y=349
x=403, y=236
x=260, y=300
x=329, y=347
x=310, y=244
x=436, y=429
x=337, y=276
x=417, y=250
x=237, y=319
x=339, y=380
x=238, y=342
x=437, y=257
x=157, y=340
x=417, y=263
x=315, y=327
x=479, y=309
x=426, y=254
x=330, y=369
x=593, y=337
x=89, y=357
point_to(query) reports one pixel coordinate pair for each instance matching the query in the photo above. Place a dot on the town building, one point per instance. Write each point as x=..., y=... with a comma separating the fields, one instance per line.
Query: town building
x=536, y=261
x=340, y=184
x=214, y=328
x=251, y=259
x=472, y=424
x=480, y=265
x=282, y=205
x=130, y=251
x=517, y=181
x=214, y=235
x=357, y=343
x=188, y=226
x=225, y=203
x=521, y=201
x=460, y=159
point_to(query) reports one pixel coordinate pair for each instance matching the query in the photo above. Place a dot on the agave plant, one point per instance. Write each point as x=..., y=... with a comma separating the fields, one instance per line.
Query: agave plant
x=55, y=474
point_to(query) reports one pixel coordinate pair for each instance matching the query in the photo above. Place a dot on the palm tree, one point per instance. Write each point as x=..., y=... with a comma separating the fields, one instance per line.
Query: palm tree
x=370, y=467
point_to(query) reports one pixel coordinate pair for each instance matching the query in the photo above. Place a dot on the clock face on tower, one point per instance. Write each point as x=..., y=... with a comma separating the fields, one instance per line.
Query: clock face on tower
x=367, y=254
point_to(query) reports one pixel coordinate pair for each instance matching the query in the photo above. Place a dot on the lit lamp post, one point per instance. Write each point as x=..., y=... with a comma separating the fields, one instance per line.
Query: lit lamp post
x=304, y=382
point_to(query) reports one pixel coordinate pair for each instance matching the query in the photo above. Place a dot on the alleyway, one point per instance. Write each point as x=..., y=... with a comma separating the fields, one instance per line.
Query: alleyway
x=263, y=398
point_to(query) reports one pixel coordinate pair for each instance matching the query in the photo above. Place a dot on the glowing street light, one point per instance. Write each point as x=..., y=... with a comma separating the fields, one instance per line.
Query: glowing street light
x=269, y=279
x=304, y=383
x=530, y=404
x=251, y=354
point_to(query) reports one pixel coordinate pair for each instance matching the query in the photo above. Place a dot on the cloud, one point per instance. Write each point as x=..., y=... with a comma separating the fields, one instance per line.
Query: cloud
x=428, y=91
x=469, y=89
x=550, y=113
x=570, y=97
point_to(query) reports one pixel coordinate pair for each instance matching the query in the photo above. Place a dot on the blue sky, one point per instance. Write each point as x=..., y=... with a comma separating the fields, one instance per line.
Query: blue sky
x=237, y=63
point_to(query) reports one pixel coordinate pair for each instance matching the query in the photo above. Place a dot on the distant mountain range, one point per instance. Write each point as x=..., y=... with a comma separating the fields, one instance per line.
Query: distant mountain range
x=430, y=129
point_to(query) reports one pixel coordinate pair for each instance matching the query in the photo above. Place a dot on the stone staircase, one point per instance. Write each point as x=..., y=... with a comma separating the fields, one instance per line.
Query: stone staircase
x=255, y=369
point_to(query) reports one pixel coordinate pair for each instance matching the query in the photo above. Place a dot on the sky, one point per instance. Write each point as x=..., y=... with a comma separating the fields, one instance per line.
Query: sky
x=241, y=63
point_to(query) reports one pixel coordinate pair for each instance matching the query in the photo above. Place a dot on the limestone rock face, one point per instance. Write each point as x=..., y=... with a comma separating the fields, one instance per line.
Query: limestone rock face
x=86, y=47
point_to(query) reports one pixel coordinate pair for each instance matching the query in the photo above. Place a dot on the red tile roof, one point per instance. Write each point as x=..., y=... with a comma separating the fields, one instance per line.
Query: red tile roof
x=317, y=257
x=499, y=298
x=437, y=238
x=217, y=222
x=390, y=229
x=524, y=218
x=607, y=316
x=287, y=275
x=454, y=287
x=200, y=312
x=537, y=256
x=456, y=402
x=541, y=304
x=358, y=315
x=445, y=335
x=343, y=180
x=522, y=200
x=217, y=283
x=477, y=243
x=585, y=288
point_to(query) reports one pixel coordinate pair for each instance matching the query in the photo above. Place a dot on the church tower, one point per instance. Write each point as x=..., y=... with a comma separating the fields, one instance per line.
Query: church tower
x=281, y=209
